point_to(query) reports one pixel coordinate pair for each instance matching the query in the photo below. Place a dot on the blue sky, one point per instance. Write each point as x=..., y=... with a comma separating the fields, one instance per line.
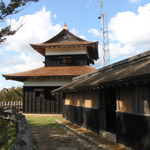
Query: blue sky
x=128, y=22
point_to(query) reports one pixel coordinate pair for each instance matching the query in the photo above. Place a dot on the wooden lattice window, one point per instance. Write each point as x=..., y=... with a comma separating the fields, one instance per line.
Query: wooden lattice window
x=65, y=60
x=39, y=94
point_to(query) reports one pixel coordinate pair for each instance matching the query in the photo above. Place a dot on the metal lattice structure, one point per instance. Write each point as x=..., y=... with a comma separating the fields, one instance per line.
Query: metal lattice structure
x=105, y=38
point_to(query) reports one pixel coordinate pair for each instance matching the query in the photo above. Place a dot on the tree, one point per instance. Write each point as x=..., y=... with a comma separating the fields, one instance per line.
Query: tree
x=11, y=94
x=14, y=7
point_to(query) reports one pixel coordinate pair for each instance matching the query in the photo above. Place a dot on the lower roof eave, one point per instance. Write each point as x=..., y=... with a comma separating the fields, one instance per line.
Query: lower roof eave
x=128, y=81
x=21, y=79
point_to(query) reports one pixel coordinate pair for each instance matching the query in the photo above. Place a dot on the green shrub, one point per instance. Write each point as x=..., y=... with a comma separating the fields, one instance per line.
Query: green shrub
x=7, y=135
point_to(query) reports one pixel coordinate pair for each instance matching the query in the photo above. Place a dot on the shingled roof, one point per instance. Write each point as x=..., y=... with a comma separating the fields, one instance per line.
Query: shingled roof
x=63, y=71
x=66, y=39
x=130, y=70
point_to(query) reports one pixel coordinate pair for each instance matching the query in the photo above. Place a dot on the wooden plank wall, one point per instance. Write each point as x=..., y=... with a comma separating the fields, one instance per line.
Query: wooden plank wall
x=133, y=130
x=141, y=98
x=125, y=98
x=76, y=60
x=86, y=117
x=88, y=98
x=47, y=104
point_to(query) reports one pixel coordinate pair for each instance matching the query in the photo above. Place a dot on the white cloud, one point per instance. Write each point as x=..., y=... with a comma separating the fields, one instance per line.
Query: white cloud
x=21, y=62
x=1, y=53
x=82, y=37
x=94, y=32
x=74, y=31
x=18, y=55
x=98, y=63
x=37, y=28
x=134, y=1
x=116, y=50
x=55, y=16
x=89, y=3
x=130, y=30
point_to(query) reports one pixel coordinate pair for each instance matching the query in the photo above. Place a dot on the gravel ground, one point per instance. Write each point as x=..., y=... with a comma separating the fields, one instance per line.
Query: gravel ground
x=50, y=138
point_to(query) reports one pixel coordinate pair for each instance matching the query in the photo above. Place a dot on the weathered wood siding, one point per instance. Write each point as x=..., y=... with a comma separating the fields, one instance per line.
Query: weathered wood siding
x=47, y=104
x=86, y=117
x=141, y=98
x=78, y=98
x=125, y=98
x=68, y=99
x=76, y=60
x=87, y=98
x=91, y=98
x=133, y=130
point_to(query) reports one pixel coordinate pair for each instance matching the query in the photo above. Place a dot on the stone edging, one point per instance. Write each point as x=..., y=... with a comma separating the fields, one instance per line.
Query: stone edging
x=23, y=129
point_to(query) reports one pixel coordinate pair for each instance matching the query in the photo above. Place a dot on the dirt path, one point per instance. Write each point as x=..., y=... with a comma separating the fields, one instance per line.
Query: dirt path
x=60, y=138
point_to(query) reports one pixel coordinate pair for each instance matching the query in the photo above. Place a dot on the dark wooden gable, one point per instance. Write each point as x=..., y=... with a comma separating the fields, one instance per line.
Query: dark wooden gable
x=64, y=36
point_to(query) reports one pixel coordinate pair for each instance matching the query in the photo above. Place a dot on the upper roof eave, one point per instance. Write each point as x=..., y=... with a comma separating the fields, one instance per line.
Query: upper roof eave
x=41, y=46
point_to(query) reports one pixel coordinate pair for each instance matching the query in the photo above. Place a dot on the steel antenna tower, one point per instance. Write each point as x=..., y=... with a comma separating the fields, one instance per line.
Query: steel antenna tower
x=105, y=38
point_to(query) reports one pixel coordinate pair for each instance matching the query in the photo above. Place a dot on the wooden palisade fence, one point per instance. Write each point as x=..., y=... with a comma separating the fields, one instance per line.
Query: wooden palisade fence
x=17, y=104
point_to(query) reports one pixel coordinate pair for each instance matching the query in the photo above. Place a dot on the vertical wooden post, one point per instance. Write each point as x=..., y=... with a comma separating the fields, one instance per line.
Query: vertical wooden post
x=101, y=110
x=117, y=98
x=72, y=98
x=40, y=105
x=83, y=98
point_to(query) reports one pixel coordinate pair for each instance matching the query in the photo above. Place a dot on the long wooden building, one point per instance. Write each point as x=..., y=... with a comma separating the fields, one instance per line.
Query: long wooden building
x=114, y=99
x=66, y=56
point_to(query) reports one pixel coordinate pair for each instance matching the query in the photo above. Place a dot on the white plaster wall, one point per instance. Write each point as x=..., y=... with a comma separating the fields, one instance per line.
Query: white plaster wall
x=65, y=51
x=47, y=82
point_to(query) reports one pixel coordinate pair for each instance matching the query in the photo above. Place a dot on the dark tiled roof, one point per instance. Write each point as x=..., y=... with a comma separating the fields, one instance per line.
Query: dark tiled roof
x=129, y=70
x=71, y=71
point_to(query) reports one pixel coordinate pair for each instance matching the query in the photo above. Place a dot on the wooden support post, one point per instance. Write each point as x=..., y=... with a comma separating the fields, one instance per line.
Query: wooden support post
x=83, y=98
x=117, y=99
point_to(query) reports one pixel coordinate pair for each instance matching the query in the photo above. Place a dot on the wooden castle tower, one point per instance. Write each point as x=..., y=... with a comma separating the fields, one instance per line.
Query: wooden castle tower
x=66, y=56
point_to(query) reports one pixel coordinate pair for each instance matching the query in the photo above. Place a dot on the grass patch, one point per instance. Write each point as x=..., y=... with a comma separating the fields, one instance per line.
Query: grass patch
x=7, y=134
x=43, y=121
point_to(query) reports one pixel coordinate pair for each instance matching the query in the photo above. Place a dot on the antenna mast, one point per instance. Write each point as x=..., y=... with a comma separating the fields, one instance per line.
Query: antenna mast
x=105, y=38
